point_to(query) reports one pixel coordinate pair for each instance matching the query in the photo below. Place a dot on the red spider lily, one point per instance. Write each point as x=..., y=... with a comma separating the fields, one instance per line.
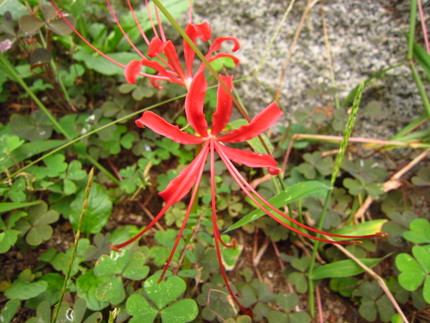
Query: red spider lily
x=166, y=63
x=212, y=141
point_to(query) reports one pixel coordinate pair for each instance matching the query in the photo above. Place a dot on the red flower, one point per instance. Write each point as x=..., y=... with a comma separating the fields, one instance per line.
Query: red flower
x=166, y=63
x=212, y=141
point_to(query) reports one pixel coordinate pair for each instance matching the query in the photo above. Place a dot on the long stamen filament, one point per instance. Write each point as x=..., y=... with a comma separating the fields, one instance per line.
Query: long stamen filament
x=114, y=16
x=69, y=24
x=217, y=237
x=160, y=25
x=202, y=163
x=247, y=189
x=169, y=203
x=151, y=19
x=136, y=21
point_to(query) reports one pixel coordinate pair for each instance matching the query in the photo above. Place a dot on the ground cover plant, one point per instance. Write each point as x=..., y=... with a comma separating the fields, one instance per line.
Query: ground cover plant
x=130, y=193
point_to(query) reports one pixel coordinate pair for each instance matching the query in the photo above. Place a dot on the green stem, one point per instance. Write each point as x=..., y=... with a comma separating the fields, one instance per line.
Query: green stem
x=75, y=245
x=12, y=72
x=421, y=89
x=339, y=159
x=54, y=68
x=412, y=22
x=410, y=57
x=103, y=169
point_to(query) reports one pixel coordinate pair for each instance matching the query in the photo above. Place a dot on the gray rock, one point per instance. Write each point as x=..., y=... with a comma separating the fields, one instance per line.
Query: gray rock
x=365, y=36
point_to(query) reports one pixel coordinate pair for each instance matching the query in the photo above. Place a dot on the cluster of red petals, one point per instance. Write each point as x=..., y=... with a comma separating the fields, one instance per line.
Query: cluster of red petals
x=168, y=64
x=194, y=111
x=162, y=56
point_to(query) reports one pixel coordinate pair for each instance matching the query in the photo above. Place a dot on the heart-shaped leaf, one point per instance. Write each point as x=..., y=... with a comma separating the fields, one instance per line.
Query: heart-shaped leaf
x=419, y=231
x=412, y=274
x=140, y=309
x=164, y=292
x=37, y=224
x=75, y=171
x=8, y=239
x=111, y=290
x=135, y=269
x=185, y=310
x=87, y=285
x=30, y=24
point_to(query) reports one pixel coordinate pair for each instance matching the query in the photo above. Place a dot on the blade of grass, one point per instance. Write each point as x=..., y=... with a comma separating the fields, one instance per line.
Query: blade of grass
x=421, y=89
x=423, y=26
x=75, y=244
x=412, y=22
x=410, y=127
x=339, y=158
x=410, y=56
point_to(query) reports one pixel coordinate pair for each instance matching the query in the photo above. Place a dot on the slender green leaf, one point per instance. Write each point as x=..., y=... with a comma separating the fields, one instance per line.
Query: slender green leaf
x=291, y=194
x=29, y=150
x=343, y=268
x=9, y=206
x=361, y=229
x=422, y=57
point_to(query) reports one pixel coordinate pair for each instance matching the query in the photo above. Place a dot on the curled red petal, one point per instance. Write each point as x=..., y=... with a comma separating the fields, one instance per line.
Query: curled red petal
x=216, y=45
x=156, y=47
x=223, y=107
x=132, y=70
x=166, y=129
x=186, y=178
x=260, y=123
x=202, y=31
x=155, y=84
x=194, y=103
x=248, y=158
x=194, y=31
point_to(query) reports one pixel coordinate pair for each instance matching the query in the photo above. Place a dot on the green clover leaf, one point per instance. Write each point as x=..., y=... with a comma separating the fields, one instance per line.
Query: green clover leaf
x=163, y=295
x=419, y=231
x=415, y=270
x=37, y=224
